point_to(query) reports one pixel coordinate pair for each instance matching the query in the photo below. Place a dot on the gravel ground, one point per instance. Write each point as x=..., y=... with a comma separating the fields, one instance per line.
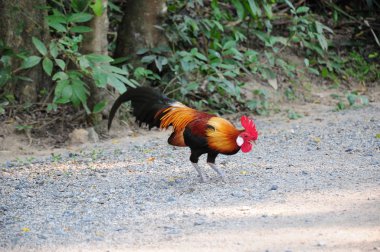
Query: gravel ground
x=311, y=184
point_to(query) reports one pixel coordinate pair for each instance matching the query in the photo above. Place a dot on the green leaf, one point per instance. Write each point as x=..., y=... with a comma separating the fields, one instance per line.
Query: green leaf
x=47, y=65
x=67, y=92
x=351, y=98
x=60, y=63
x=307, y=62
x=117, y=84
x=57, y=26
x=293, y=115
x=290, y=4
x=80, y=29
x=79, y=17
x=302, y=9
x=254, y=9
x=61, y=84
x=39, y=45
x=322, y=41
x=201, y=56
x=340, y=105
x=229, y=44
x=377, y=136
x=100, y=78
x=31, y=61
x=53, y=49
x=148, y=59
x=57, y=18
x=97, y=7
x=239, y=8
x=99, y=107
x=268, y=10
x=113, y=69
x=325, y=72
x=142, y=51
x=80, y=92
x=60, y=76
x=98, y=58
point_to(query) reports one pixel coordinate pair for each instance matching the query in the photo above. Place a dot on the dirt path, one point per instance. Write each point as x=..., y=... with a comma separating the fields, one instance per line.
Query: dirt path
x=311, y=184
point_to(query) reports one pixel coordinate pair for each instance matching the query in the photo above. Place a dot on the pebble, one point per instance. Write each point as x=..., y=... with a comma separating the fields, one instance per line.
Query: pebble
x=238, y=194
x=274, y=187
x=171, y=199
x=127, y=200
x=321, y=244
x=199, y=222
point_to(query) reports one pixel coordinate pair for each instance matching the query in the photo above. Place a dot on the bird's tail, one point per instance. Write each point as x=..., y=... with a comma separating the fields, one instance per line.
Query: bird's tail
x=147, y=103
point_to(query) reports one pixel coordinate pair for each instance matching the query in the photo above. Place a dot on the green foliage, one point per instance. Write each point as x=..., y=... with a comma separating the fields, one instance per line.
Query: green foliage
x=69, y=67
x=350, y=100
x=62, y=59
x=213, y=54
x=12, y=66
x=361, y=69
x=293, y=115
x=260, y=103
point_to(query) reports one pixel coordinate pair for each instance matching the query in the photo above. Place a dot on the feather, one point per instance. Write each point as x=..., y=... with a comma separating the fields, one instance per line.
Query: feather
x=222, y=135
x=146, y=102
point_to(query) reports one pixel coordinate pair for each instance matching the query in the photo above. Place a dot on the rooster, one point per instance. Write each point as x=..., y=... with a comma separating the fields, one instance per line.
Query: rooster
x=202, y=132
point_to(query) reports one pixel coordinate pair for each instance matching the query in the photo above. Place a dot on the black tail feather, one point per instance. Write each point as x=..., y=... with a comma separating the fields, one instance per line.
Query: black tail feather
x=146, y=102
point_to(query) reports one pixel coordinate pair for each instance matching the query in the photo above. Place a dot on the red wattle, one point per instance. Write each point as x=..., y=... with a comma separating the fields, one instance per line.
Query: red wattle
x=246, y=147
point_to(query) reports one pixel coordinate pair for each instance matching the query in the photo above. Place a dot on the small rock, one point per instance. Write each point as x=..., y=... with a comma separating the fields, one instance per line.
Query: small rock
x=79, y=136
x=349, y=150
x=41, y=236
x=8, y=164
x=199, y=222
x=171, y=199
x=95, y=200
x=3, y=209
x=71, y=155
x=120, y=229
x=92, y=135
x=321, y=244
x=274, y=188
x=237, y=194
x=67, y=195
x=68, y=213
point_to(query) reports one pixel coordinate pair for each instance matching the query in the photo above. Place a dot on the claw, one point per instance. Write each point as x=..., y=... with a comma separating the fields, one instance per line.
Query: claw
x=220, y=172
x=203, y=178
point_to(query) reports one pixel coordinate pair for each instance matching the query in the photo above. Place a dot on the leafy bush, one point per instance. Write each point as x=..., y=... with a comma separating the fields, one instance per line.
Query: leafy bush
x=69, y=67
x=218, y=47
x=62, y=59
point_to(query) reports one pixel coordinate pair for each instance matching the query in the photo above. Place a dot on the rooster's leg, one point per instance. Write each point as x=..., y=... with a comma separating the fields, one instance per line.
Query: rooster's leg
x=194, y=157
x=215, y=168
x=201, y=175
x=211, y=162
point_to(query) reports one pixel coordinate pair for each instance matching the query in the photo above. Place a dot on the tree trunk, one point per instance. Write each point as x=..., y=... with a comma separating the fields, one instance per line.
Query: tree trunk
x=96, y=42
x=20, y=20
x=138, y=28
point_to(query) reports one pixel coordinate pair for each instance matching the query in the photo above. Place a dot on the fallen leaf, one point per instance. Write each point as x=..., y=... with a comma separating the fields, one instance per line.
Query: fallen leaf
x=151, y=159
x=243, y=172
x=378, y=136
x=115, y=141
x=316, y=139
x=273, y=83
x=25, y=229
x=171, y=179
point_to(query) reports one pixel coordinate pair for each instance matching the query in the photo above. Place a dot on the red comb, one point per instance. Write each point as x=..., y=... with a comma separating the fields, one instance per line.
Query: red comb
x=249, y=126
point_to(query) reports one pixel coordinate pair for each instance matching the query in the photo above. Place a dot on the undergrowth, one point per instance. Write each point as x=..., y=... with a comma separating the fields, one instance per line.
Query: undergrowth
x=216, y=51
